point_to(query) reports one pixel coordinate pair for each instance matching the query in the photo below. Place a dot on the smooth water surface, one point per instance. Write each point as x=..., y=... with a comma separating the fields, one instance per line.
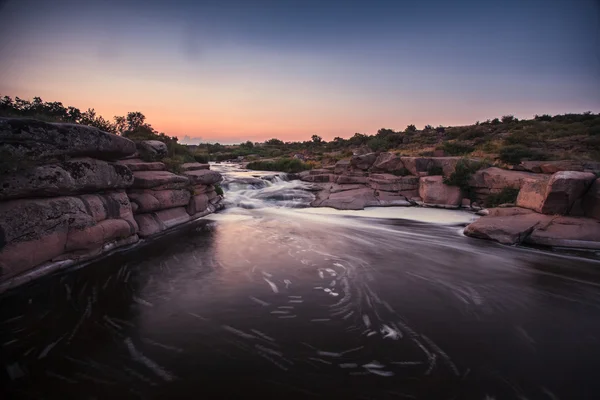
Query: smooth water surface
x=272, y=300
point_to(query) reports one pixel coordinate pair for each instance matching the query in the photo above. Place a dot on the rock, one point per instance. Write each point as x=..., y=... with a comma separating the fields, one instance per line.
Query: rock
x=199, y=189
x=152, y=200
x=493, y=179
x=320, y=178
x=433, y=191
x=507, y=211
x=341, y=167
x=466, y=203
x=158, y=179
x=361, y=151
x=155, y=222
x=336, y=187
x=194, y=166
x=550, y=167
x=510, y=229
x=392, y=183
x=363, y=162
x=356, y=199
x=591, y=201
x=387, y=199
x=568, y=232
x=108, y=205
x=558, y=195
x=349, y=179
x=448, y=164
x=387, y=162
x=319, y=171
x=152, y=149
x=416, y=165
x=65, y=178
x=29, y=139
x=135, y=164
x=94, y=237
x=33, y=231
x=203, y=177
x=197, y=204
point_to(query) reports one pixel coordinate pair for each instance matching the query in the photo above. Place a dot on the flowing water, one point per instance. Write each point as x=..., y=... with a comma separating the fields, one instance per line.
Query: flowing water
x=268, y=299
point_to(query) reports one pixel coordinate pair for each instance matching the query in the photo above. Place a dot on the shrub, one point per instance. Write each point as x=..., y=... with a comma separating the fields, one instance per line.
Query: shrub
x=513, y=154
x=456, y=148
x=173, y=164
x=461, y=175
x=435, y=170
x=506, y=195
x=520, y=138
x=378, y=144
x=281, y=165
x=201, y=158
x=218, y=189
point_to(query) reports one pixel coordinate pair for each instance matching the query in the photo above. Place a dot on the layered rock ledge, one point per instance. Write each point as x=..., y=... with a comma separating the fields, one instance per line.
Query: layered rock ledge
x=71, y=193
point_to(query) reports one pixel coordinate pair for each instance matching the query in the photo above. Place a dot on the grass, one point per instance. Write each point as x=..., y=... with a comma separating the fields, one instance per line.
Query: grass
x=289, y=165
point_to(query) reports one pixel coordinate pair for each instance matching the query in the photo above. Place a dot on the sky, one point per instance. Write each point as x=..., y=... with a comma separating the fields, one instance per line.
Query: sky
x=235, y=70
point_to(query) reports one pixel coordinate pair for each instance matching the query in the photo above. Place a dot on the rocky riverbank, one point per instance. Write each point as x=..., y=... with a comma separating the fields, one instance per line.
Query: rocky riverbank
x=72, y=193
x=557, y=202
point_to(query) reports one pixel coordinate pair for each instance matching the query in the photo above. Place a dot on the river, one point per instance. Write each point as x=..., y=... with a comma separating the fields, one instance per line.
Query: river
x=268, y=299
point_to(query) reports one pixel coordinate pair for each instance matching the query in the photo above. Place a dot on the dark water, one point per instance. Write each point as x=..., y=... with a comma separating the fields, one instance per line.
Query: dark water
x=267, y=302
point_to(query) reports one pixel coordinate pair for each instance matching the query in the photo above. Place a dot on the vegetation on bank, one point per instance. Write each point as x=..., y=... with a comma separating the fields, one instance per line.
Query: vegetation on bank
x=506, y=140
x=289, y=165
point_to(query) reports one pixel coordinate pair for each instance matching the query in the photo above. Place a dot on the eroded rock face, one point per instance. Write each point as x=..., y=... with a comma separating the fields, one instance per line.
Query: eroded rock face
x=356, y=199
x=387, y=162
x=152, y=149
x=159, y=180
x=418, y=166
x=155, y=222
x=392, y=183
x=28, y=139
x=66, y=178
x=510, y=229
x=203, y=177
x=363, y=162
x=591, y=201
x=433, y=191
x=557, y=194
x=152, y=200
x=341, y=167
x=495, y=179
x=135, y=164
x=197, y=204
x=568, y=232
x=552, y=167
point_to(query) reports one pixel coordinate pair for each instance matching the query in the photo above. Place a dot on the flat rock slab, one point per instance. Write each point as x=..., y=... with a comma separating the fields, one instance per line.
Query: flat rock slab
x=152, y=149
x=69, y=177
x=356, y=199
x=568, y=232
x=203, y=177
x=156, y=179
x=154, y=200
x=155, y=222
x=135, y=164
x=434, y=191
x=22, y=138
x=511, y=229
x=194, y=166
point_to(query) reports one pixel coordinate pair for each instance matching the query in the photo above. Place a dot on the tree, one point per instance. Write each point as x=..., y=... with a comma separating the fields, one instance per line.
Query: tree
x=247, y=145
x=410, y=128
x=506, y=119
x=274, y=142
x=428, y=127
x=317, y=139
x=135, y=119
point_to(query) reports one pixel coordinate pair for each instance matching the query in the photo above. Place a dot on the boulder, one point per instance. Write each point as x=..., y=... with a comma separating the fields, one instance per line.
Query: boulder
x=65, y=178
x=387, y=199
x=356, y=199
x=203, y=177
x=108, y=205
x=29, y=139
x=387, y=162
x=493, y=179
x=507, y=226
x=417, y=166
x=199, y=189
x=558, y=195
x=433, y=191
x=337, y=187
x=194, y=166
x=349, y=179
x=135, y=164
x=393, y=183
x=591, y=201
x=549, y=167
x=341, y=167
x=155, y=222
x=158, y=180
x=94, y=237
x=363, y=162
x=320, y=178
x=197, y=204
x=33, y=231
x=152, y=149
x=152, y=200
x=568, y=232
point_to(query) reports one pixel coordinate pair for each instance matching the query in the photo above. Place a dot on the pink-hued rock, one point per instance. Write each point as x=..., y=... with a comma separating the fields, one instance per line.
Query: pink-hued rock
x=495, y=179
x=320, y=178
x=348, y=179
x=568, y=232
x=155, y=222
x=194, y=166
x=152, y=200
x=66, y=178
x=363, y=162
x=591, y=201
x=203, y=177
x=158, y=179
x=96, y=236
x=336, y=187
x=108, y=205
x=387, y=199
x=199, y=189
x=508, y=211
x=558, y=195
x=341, y=167
x=434, y=191
x=135, y=164
x=86, y=254
x=392, y=183
x=152, y=149
x=387, y=162
x=416, y=165
x=510, y=229
x=356, y=199
x=197, y=204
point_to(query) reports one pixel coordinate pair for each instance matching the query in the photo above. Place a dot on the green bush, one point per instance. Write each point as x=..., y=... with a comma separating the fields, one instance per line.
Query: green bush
x=462, y=174
x=201, y=158
x=281, y=165
x=173, y=164
x=456, y=148
x=507, y=195
x=513, y=154
x=218, y=189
